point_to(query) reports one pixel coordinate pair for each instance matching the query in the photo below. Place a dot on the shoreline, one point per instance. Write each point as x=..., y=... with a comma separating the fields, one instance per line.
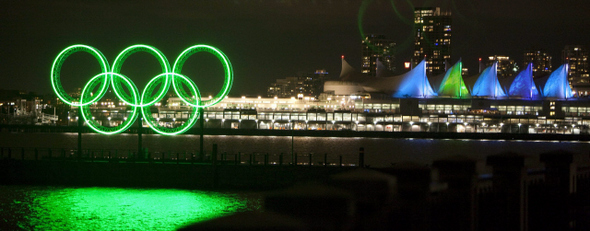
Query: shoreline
x=324, y=133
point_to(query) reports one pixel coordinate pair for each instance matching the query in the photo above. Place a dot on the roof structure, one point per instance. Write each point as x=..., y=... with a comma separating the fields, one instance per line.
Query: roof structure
x=487, y=85
x=382, y=71
x=349, y=74
x=415, y=83
x=523, y=85
x=452, y=84
x=412, y=84
x=557, y=86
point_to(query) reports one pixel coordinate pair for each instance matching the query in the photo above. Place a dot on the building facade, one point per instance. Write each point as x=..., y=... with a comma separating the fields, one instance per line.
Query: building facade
x=306, y=85
x=432, y=38
x=506, y=66
x=540, y=59
x=354, y=113
x=576, y=57
x=377, y=47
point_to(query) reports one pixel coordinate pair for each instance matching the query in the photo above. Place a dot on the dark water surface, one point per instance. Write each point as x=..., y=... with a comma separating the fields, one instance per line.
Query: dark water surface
x=379, y=152
x=101, y=208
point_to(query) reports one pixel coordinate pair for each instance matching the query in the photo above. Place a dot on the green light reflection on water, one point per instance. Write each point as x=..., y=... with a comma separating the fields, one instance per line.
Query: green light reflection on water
x=126, y=209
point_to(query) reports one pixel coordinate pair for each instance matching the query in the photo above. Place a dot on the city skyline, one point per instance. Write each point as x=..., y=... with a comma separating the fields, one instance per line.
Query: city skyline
x=265, y=41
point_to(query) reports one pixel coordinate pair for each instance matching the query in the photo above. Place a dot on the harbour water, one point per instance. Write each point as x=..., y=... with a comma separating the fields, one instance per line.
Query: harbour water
x=100, y=208
x=379, y=152
x=113, y=208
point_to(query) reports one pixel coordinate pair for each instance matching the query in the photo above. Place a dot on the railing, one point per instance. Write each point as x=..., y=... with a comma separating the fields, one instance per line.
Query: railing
x=175, y=157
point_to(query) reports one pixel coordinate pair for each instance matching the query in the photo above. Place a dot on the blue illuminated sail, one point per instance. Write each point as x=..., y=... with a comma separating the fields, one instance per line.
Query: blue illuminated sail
x=557, y=86
x=414, y=83
x=487, y=84
x=523, y=85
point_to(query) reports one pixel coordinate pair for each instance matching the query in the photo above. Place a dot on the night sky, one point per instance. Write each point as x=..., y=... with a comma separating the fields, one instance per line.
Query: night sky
x=264, y=39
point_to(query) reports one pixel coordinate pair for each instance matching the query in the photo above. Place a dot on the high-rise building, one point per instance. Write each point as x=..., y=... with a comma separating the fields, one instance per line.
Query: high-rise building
x=377, y=47
x=540, y=59
x=576, y=57
x=506, y=66
x=317, y=82
x=432, y=33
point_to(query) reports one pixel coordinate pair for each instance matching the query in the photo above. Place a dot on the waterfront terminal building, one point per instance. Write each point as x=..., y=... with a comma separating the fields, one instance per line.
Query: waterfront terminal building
x=409, y=102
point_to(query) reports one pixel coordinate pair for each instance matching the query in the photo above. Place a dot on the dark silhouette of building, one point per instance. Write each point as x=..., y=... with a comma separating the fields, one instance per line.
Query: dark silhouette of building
x=377, y=47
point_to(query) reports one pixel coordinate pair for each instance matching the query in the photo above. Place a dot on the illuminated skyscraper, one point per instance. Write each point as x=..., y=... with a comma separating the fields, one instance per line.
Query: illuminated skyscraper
x=377, y=47
x=506, y=66
x=576, y=57
x=432, y=38
x=540, y=59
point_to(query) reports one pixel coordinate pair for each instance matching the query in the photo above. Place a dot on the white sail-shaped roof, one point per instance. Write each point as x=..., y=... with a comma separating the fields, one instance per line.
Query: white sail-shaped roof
x=382, y=71
x=349, y=74
x=557, y=86
x=523, y=85
x=411, y=84
x=487, y=84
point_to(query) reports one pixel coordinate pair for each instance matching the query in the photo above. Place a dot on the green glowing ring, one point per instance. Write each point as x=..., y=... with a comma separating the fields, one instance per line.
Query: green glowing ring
x=95, y=125
x=228, y=76
x=118, y=81
x=56, y=71
x=153, y=123
x=119, y=63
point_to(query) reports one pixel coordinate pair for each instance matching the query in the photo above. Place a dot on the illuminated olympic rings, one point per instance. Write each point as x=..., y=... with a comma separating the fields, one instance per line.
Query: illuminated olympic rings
x=120, y=83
